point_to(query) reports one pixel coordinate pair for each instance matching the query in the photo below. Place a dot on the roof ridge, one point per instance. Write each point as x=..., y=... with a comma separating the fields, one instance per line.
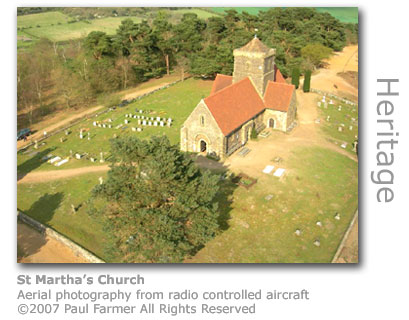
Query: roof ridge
x=230, y=85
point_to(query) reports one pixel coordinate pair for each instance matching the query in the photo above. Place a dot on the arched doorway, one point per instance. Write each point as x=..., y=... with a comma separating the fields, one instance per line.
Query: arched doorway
x=271, y=123
x=203, y=146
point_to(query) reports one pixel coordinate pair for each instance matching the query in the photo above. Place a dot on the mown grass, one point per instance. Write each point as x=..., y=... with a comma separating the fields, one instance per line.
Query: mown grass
x=50, y=203
x=319, y=184
x=176, y=102
x=57, y=26
x=347, y=119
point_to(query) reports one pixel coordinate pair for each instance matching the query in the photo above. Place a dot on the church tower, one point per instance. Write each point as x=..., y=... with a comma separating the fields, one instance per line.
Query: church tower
x=254, y=60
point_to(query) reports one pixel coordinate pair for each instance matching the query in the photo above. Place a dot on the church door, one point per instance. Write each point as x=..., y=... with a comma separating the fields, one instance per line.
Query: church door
x=271, y=123
x=203, y=146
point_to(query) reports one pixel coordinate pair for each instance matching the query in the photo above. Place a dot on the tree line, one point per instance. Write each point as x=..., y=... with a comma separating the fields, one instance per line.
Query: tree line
x=77, y=72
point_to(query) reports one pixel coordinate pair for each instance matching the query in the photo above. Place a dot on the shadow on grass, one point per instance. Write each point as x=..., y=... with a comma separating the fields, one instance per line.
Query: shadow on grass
x=44, y=208
x=29, y=240
x=227, y=186
x=33, y=163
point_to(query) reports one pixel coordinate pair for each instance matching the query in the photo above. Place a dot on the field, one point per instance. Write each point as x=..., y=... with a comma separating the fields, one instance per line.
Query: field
x=57, y=26
x=175, y=102
x=344, y=14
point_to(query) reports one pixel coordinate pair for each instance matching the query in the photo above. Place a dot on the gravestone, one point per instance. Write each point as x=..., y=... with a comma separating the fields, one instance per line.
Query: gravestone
x=161, y=123
x=350, y=128
x=35, y=144
x=340, y=129
x=73, y=210
x=155, y=123
x=319, y=224
x=101, y=180
x=101, y=157
x=149, y=123
x=157, y=118
x=139, y=121
x=61, y=140
x=133, y=129
x=94, y=123
x=317, y=243
x=337, y=216
x=298, y=232
x=139, y=129
x=67, y=132
x=89, y=136
x=144, y=122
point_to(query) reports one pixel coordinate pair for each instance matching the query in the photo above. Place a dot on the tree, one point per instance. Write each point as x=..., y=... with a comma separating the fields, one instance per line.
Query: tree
x=295, y=77
x=162, y=30
x=315, y=53
x=307, y=81
x=157, y=205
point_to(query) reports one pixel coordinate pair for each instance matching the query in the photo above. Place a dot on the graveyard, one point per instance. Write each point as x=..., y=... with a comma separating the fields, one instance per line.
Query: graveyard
x=297, y=196
x=162, y=112
x=297, y=216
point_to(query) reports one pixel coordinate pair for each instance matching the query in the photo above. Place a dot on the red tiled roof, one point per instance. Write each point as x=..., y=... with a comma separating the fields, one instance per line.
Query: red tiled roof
x=279, y=77
x=278, y=96
x=221, y=82
x=234, y=105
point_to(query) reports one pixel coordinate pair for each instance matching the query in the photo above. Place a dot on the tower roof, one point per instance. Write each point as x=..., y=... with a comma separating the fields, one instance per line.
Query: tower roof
x=255, y=45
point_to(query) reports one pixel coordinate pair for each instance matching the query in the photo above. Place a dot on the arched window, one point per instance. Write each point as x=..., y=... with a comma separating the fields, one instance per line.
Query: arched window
x=202, y=121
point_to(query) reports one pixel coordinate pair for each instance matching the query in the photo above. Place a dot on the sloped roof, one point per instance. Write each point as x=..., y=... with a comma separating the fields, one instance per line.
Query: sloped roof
x=221, y=82
x=279, y=77
x=235, y=105
x=255, y=45
x=278, y=96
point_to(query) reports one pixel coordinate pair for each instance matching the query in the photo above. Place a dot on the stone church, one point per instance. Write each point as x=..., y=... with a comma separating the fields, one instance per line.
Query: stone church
x=256, y=96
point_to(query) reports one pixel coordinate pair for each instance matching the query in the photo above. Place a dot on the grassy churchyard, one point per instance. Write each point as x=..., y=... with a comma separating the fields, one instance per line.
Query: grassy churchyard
x=257, y=224
x=339, y=121
x=175, y=102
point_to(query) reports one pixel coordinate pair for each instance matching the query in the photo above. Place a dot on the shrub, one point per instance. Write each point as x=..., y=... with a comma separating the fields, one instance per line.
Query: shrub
x=295, y=77
x=253, y=134
x=307, y=81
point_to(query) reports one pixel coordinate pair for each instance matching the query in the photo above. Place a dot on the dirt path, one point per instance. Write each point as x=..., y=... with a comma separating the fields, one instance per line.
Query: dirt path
x=327, y=79
x=45, y=176
x=34, y=247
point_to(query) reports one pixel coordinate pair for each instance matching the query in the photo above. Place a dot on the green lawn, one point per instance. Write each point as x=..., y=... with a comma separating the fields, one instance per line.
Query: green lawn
x=50, y=203
x=176, y=102
x=344, y=119
x=319, y=184
x=55, y=27
x=42, y=19
x=75, y=30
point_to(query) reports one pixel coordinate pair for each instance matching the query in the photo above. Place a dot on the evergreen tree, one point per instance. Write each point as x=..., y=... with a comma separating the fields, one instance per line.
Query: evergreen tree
x=307, y=81
x=295, y=77
x=157, y=205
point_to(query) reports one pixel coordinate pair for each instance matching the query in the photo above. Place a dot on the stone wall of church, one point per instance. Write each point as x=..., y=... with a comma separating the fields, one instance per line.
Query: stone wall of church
x=280, y=119
x=200, y=125
x=292, y=110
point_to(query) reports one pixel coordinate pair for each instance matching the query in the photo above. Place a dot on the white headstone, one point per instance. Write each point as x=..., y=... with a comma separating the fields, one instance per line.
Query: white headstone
x=161, y=123
x=139, y=129
x=144, y=122
x=133, y=129
x=157, y=118
x=149, y=123
x=298, y=232
x=319, y=224
x=317, y=243
x=155, y=123
x=101, y=180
